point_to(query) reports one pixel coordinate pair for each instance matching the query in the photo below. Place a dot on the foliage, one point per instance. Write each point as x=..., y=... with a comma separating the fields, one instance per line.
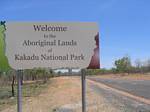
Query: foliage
x=4, y=65
x=123, y=64
x=38, y=74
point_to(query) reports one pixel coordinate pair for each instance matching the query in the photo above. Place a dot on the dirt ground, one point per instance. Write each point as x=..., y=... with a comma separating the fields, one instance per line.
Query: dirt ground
x=64, y=95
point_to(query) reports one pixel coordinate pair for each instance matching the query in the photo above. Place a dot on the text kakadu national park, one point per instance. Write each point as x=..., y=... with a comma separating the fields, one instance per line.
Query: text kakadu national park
x=49, y=40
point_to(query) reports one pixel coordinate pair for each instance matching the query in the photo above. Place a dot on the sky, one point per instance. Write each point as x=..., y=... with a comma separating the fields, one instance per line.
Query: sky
x=124, y=25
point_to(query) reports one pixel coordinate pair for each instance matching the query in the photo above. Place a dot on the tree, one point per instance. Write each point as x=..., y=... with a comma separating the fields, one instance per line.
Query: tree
x=12, y=85
x=148, y=65
x=138, y=63
x=123, y=64
x=11, y=75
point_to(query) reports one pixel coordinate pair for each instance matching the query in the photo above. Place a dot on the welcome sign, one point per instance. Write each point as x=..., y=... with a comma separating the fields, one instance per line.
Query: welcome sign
x=27, y=45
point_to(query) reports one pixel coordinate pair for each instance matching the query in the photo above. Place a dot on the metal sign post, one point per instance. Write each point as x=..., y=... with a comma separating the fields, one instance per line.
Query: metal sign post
x=67, y=43
x=19, y=91
x=83, y=78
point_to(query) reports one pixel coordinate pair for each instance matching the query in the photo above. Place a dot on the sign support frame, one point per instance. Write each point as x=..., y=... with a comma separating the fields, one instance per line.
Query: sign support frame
x=83, y=84
x=19, y=91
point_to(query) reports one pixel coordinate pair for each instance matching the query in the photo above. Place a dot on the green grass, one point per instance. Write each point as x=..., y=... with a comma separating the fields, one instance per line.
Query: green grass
x=28, y=90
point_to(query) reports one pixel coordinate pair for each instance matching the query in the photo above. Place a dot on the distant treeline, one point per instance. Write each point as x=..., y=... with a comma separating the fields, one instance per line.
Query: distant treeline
x=124, y=65
x=8, y=78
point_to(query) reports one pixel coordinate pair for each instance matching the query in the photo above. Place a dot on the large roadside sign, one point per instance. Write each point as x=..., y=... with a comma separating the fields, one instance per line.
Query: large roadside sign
x=27, y=45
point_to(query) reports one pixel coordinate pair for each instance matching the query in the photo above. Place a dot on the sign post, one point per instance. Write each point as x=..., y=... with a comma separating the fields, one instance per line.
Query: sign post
x=19, y=91
x=54, y=45
x=83, y=80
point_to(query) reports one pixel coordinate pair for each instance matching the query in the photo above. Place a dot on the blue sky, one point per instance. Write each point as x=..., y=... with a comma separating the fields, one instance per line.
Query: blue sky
x=124, y=24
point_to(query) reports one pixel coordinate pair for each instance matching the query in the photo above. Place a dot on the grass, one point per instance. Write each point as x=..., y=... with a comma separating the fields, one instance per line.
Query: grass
x=5, y=97
x=133, y=76
x=28, y=90
x=33, y=89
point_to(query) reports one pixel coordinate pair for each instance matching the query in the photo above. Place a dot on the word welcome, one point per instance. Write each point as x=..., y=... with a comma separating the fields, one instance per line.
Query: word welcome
x=49, y=28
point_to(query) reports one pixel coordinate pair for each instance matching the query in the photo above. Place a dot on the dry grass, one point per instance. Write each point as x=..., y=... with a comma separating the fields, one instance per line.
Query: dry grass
x=64, y=93
x=127, y=76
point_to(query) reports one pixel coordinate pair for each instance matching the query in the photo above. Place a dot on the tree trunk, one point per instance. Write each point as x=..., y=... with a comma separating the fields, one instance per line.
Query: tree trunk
x=12, y=85
x=22, y=79
x=45, y=78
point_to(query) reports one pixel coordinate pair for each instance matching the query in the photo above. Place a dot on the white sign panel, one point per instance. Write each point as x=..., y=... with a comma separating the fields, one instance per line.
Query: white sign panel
x=55, y=45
